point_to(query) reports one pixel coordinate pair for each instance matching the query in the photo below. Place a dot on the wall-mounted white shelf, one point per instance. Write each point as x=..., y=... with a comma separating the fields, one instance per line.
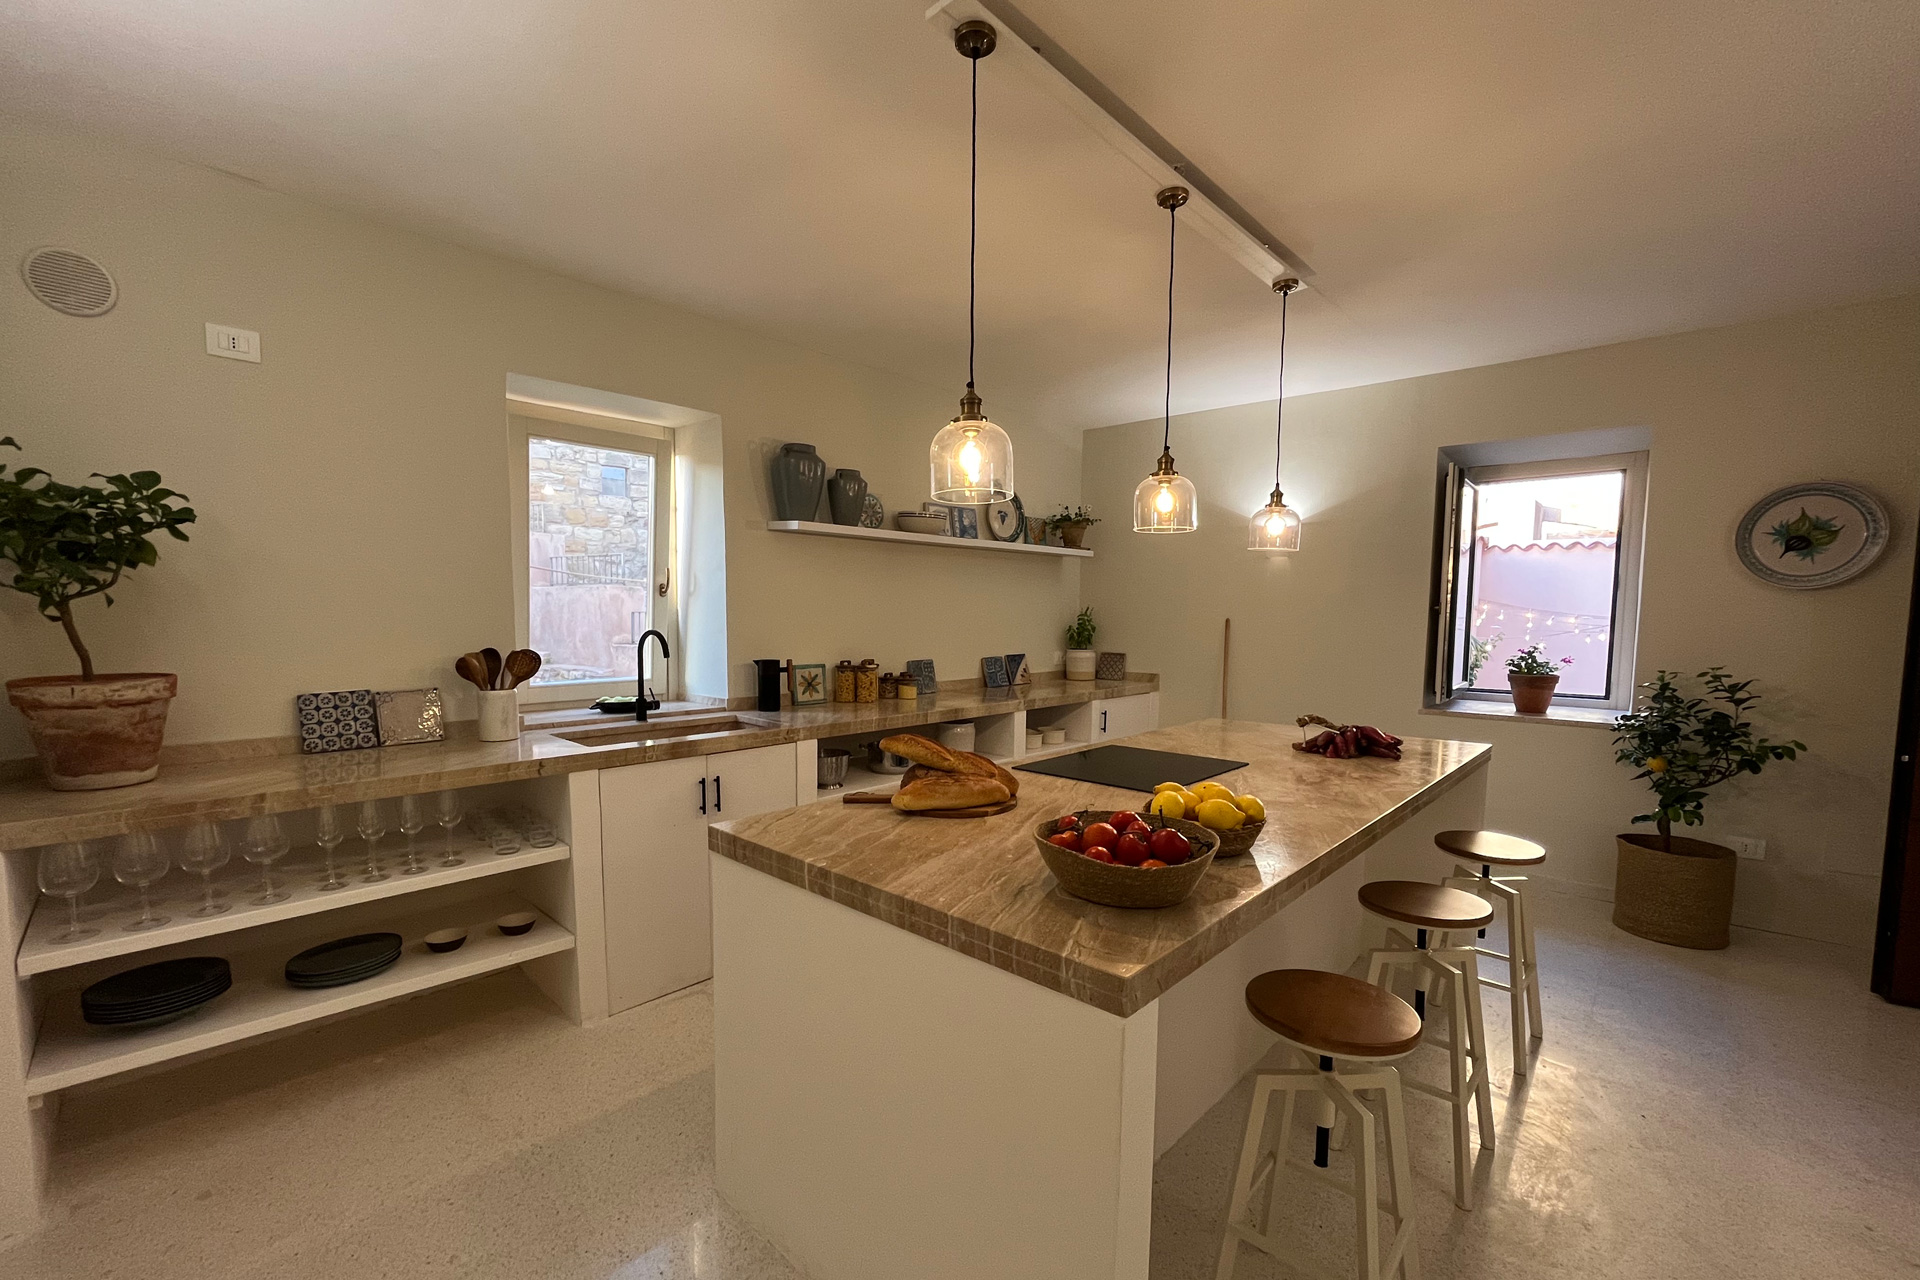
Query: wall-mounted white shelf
x=819, y=530
x=179, y=893
x=70, y=1052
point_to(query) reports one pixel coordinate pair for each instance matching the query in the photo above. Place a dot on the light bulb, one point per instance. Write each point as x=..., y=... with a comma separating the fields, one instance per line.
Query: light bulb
x=1273, y=524
x=1163, y=501
x=970, y=460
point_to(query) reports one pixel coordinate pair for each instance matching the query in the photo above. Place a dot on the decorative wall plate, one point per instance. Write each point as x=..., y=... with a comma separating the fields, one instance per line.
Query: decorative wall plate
x=1812, y=535
x=1007, y=521
x=873, y=512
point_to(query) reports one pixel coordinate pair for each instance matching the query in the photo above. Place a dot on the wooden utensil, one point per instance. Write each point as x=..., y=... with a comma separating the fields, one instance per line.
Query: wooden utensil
x=472, y=668
x=972, y=811
x=522, y=665
x=491, y=656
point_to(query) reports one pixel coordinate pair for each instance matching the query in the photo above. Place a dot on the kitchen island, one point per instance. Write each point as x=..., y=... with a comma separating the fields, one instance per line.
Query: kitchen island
x=930, y=1061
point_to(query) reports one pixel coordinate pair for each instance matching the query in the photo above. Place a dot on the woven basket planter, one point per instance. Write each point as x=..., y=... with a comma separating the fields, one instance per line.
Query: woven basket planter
x=1683, y=898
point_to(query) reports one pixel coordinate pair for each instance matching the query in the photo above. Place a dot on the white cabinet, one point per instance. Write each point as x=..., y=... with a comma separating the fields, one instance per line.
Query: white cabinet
x=1124, y=717
x=653, y=836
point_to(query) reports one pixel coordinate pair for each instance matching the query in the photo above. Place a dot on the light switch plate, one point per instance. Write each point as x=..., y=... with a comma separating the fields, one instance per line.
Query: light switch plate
x=232, y=343
x=1754, y=847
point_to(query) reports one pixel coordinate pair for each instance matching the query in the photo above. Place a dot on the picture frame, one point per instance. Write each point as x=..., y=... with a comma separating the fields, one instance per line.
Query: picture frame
x=809, y=684
x=993, y=671
x=966, y=522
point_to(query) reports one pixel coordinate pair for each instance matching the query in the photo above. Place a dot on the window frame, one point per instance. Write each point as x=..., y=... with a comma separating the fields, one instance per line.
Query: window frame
x=528, y=421
x=1444, y=636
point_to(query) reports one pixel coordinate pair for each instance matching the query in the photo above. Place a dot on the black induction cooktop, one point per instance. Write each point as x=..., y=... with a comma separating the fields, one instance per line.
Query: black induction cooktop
x=1132, y=768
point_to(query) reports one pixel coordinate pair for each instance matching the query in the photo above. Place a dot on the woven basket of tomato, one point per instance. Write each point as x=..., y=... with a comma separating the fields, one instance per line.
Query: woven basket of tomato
x=1123, y=859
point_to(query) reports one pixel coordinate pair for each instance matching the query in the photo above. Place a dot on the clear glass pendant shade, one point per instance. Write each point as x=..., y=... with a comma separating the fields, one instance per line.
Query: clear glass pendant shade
x=1165, y=502
x=972, y=459
x=1275, y=527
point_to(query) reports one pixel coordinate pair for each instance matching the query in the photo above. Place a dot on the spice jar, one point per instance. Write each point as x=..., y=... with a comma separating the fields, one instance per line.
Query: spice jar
x=867, y=681
x=889, y=685
x=908, y=690
x=843, y=682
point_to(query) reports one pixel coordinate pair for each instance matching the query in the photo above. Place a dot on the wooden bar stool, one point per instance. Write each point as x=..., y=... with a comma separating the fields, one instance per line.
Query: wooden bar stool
x=1493, y=849
x=1329, y=1017
x=1436, y=912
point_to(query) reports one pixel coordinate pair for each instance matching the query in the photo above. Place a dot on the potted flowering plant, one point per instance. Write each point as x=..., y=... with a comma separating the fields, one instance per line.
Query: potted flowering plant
x=1666, y=887
x=1072, y=524
x=1533, y=679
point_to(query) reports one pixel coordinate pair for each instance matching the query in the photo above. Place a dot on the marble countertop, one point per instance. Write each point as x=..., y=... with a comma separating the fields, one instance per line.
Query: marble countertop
x=265, y=777
x=980, y=887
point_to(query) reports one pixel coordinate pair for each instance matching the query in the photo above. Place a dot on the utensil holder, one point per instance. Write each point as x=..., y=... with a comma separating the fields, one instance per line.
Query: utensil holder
x=499, y=715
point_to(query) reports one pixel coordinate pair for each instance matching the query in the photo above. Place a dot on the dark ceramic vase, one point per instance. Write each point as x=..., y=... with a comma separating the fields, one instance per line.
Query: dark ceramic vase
x=799, y=476
x=847, y=492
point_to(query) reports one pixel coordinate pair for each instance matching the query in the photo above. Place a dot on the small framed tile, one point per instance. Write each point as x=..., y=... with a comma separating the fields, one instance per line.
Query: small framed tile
x=408, y=716
x=344, y=720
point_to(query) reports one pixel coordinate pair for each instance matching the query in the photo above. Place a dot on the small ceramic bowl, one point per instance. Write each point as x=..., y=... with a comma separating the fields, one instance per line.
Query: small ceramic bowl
x=517, y=923
x=919, y=522
x=446, y=939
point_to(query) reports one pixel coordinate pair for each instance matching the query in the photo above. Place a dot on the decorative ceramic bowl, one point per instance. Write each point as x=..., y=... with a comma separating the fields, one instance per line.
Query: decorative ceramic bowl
x=1112, y=885
x=920, y=522
x=446, y=939
x=1239, y=840
x=516, y=923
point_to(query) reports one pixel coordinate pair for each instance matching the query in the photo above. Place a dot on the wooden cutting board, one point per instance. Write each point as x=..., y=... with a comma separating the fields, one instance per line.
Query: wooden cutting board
x=886, y=798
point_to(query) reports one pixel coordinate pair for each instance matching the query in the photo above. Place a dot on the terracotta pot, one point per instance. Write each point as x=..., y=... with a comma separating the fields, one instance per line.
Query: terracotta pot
x=1683, y=898
x=92, y=734
x=1532, y=695
x=1071, y=534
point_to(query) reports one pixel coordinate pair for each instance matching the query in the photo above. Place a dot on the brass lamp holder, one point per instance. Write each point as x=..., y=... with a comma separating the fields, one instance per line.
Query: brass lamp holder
x=975, y=39
x=970, y=407
x=1172, y=197
x=1166, y=464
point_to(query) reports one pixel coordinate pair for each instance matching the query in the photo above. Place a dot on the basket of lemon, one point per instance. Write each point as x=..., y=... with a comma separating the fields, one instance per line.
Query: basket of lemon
x=1238, y=819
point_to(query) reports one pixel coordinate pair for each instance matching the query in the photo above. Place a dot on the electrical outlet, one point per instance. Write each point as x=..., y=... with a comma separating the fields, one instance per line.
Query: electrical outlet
x=234, y=344
x=1754, y=847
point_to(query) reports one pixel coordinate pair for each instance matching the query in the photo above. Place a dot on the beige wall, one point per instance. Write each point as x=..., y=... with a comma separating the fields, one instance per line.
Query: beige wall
x=352, y=487
x=1340, y=628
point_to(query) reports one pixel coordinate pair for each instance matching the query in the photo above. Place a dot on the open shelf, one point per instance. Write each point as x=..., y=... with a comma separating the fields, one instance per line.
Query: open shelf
x=70, y=1052
x=819, y=530
x=180, y=892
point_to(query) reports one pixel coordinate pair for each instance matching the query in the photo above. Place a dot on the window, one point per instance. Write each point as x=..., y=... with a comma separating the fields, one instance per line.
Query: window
x=1539, y=552
x=597, y=527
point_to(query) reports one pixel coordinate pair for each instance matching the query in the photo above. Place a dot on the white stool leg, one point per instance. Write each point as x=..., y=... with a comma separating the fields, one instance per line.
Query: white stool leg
x=1501, y=894
x=1525, y=929
x=1461, y=1082
x=1477, y=1050
x=1366, y=1185
x=1263, y=1087
x=1400, y=1171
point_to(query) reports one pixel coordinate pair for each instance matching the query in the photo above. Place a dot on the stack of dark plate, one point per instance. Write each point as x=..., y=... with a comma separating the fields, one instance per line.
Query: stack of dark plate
x=155, y=993
x=344, y=960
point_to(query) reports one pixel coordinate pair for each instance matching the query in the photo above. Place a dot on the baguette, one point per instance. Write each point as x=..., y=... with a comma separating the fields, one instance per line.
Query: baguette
x=921, y=751
x=950, y=791
x=972, y=762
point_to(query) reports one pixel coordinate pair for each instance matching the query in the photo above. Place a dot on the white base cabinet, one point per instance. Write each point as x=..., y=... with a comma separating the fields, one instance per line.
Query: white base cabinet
x=1124, y=717
x=653, y=835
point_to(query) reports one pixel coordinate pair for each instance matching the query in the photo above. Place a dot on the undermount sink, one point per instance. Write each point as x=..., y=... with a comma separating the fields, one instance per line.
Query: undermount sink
x=677, y=727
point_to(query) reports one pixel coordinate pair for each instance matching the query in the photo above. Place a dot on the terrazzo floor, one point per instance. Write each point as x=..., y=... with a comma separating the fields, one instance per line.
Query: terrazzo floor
x=1753, y=1112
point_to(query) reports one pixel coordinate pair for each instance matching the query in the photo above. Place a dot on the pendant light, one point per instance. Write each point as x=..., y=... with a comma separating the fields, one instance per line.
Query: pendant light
x=1165, y=501
x=1276, y=526
x=971, y=458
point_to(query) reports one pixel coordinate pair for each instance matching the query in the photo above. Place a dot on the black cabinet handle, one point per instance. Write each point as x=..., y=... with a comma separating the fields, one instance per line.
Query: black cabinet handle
x=1103, y=722
x=703, y=795
x=716, y=793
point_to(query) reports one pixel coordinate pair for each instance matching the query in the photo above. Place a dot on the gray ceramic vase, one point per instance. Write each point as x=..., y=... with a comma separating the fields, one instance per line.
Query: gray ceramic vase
x=799, y=476
x=847, y=493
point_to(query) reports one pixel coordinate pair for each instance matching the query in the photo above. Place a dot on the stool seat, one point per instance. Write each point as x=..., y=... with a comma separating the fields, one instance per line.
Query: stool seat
x=1493, y=848
x=1425, y=906
x=1334, y=1015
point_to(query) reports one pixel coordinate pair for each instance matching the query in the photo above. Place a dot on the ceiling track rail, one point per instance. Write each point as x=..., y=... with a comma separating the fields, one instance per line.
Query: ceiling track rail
x=1209, y=210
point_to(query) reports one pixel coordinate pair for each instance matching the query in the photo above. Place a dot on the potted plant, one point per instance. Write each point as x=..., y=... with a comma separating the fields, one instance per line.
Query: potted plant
x=1080, y=656
x=65, y=543
x=1669, y=888
x=1071, y=524
x=1533, y=679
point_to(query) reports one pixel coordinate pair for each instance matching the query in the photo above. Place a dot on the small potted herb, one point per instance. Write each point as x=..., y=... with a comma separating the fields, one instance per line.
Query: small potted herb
x=1533, y=679
x=1071, y=523
x=66, y=542
x=1668, y=888
x=1081, y=658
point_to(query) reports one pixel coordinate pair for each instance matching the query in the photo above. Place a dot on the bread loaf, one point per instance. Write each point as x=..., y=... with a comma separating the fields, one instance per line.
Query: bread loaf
x=950, y=791
x=972, y=762
x=921, y=751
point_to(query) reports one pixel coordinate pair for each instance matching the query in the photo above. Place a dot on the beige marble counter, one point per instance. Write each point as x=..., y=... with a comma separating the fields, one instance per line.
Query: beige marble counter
x=980, y=887
x=262, y=779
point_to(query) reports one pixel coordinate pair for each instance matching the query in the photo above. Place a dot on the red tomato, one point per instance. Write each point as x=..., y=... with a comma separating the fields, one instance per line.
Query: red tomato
x=1065, y=839
x=1123, y=819
x=1169, y=845
x=1100, y=833
x=1152, y=862
x=1069, y=823
x=1138, y=828
x=1131, y=850
x=1099, y=854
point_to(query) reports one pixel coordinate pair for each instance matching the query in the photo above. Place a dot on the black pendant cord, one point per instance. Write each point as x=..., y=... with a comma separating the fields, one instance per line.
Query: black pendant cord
x=973, y=212
x=1280, y=407
x=1166, y=415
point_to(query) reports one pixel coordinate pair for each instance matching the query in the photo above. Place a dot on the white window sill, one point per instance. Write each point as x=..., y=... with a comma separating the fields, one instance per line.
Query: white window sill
x=1475, y=709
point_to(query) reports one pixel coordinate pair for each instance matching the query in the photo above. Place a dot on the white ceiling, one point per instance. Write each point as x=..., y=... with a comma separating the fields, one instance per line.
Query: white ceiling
x=1470, y=182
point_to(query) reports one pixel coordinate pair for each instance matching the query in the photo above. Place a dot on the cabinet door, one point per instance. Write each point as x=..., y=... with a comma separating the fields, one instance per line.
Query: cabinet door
x=653, y=849
x=1124, y=717
x=752, y=782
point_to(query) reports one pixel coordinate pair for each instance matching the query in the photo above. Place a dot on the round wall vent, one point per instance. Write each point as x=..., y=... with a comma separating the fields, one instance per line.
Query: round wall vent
x=69, y=281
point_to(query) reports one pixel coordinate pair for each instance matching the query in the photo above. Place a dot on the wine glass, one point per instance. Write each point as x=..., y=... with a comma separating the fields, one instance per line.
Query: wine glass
x=139, y=860
x=450, y=811
x=413, y=820
x=329, y=834
x=371, y=824
x=266, y=843
x=67, y=871
x=203, y=852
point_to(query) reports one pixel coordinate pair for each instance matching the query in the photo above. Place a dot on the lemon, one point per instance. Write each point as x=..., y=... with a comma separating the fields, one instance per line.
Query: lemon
x=1190, y=800
x=1657, y=765
x=1220, y=815
x=1168, y=786
x=1251, y=806
x=1168, y=804
x=1212, y=791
